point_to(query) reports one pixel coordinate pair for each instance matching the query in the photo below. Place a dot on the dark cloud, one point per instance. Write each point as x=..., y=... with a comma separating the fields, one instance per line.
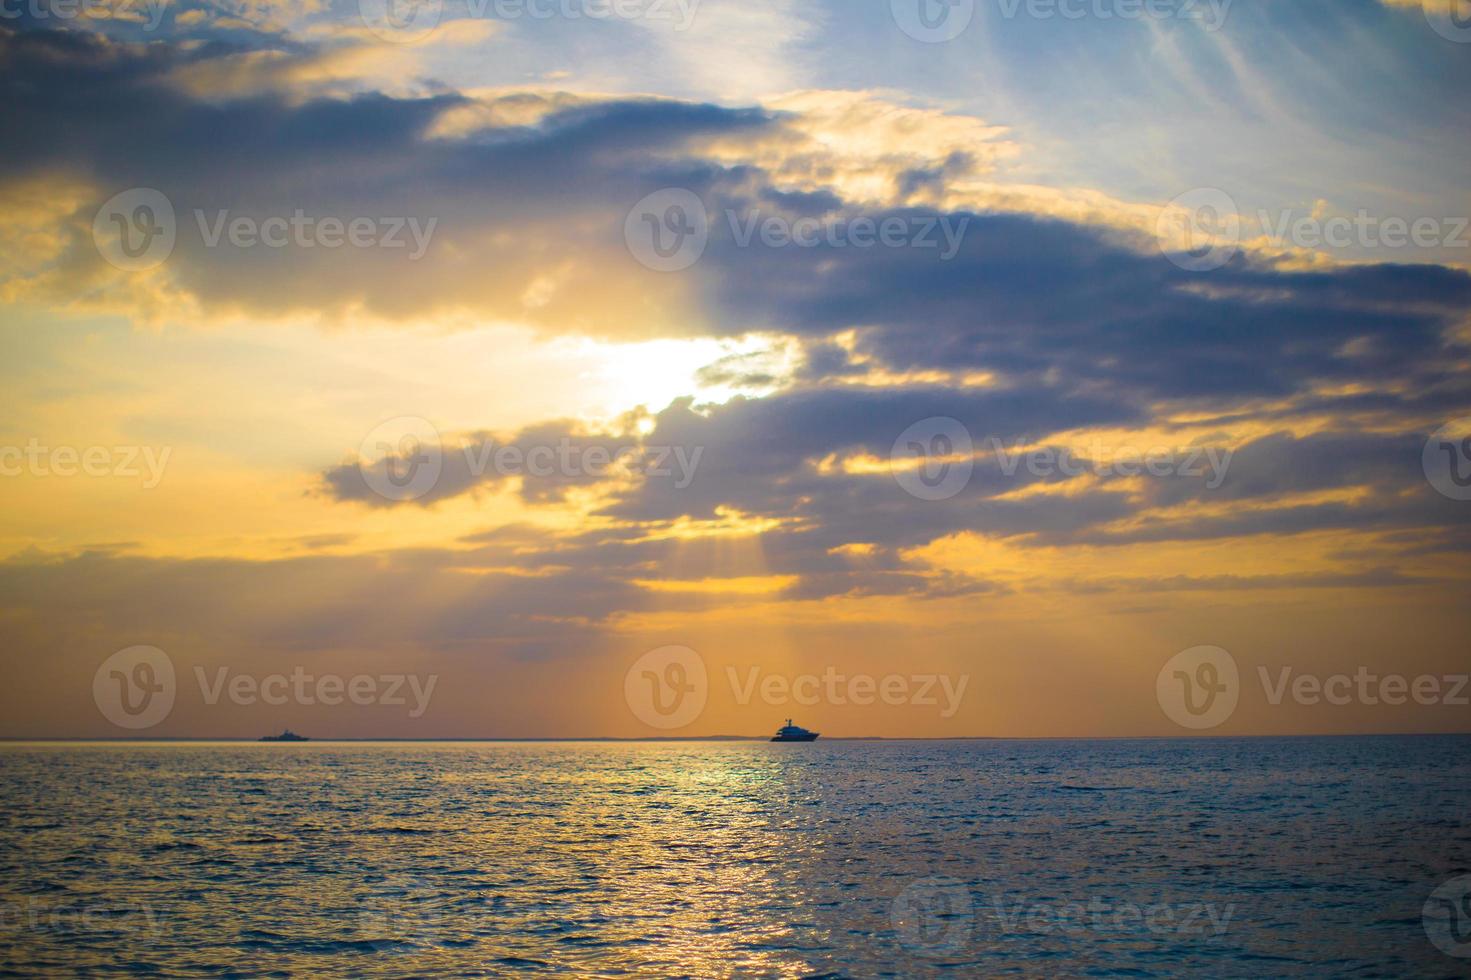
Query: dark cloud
x=1031, y=299
x=543, y=462
x=499, y=205
x=1081, y=327
x=1035, y=298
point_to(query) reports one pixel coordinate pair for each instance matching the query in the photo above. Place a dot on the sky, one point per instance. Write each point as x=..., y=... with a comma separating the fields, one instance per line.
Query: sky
x=631, y=368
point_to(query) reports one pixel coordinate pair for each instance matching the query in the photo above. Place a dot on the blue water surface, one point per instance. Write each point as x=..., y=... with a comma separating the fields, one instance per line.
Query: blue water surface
x=1213, y=857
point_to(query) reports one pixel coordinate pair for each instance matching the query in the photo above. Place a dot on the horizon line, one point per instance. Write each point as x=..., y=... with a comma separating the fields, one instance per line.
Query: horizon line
x=1190, y=736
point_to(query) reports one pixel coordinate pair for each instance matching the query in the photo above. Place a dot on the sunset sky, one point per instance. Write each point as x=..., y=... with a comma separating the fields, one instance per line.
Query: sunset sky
x=248, y=402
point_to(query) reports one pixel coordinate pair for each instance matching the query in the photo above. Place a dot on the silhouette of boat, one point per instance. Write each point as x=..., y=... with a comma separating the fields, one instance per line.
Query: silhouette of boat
x=286, y=736
x=793, y=733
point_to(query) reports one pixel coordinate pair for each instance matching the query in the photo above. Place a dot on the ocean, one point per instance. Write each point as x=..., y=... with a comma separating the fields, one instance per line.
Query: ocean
x=1214, y=857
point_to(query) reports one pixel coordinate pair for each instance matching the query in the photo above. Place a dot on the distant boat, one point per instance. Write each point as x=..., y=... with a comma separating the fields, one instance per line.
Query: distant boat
x=286, y=736
x=793, y=733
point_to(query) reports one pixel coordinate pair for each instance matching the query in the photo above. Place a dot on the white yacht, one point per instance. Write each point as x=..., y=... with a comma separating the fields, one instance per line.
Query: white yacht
x=793, y=733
